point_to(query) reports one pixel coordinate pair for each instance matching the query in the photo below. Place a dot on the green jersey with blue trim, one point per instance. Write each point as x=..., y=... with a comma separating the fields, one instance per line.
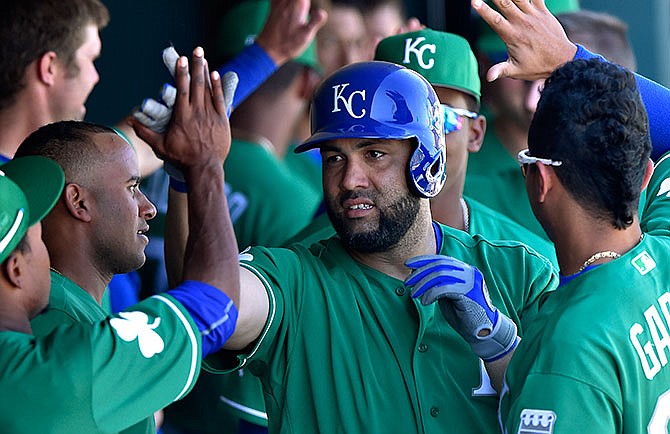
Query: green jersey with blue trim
x=346, y=349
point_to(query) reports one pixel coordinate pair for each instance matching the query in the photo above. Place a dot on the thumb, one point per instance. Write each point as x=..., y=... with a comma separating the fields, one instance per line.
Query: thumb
x=317, y=20
x=499, y=70
x=155, y=140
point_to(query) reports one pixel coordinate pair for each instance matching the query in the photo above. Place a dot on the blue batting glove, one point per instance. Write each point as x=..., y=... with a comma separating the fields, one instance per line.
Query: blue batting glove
x=464, y=302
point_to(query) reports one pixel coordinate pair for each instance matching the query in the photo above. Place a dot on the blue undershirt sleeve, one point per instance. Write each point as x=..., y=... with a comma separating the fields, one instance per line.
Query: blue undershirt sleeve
x=211, y=310
x=656, y=98
x=253, y=66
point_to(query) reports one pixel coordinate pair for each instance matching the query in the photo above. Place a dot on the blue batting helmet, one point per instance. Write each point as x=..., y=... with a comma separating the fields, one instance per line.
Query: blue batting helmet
x=386, y=101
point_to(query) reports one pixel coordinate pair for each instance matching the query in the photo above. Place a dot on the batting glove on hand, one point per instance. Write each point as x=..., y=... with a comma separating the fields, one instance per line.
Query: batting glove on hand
x=464, y=302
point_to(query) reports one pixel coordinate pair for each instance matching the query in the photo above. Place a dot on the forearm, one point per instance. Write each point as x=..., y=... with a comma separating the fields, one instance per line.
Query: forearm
x=211, y=248
x=496, y=370
x=176, y=229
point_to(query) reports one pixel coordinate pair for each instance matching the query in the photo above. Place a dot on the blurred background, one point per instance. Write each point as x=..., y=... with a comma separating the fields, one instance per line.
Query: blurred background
x=131, y=66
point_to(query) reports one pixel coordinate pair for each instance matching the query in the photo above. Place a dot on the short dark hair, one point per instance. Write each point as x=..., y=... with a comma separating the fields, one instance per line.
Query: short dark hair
x=591, y=117
x=68, y=143
x=30, y=28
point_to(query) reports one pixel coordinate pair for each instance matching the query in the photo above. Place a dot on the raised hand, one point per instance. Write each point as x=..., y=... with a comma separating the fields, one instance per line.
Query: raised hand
x=536, y=42
x=290, y=28
x=199, y=133
x=464, y=302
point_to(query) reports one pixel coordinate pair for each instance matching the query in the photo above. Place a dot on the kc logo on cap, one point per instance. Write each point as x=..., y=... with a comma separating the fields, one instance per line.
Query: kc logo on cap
x=412, y=46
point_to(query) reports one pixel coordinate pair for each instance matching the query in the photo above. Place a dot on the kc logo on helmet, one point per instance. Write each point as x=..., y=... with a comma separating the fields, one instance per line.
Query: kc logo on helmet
x=412, y=46
x=347, y=102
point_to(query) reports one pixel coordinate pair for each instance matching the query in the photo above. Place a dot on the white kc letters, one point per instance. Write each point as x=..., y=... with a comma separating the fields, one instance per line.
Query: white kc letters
x=347, y=102
x=412, y=46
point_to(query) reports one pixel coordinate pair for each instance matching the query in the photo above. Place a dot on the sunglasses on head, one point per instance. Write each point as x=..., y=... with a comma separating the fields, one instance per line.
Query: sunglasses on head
x=524, y=160
x=453, y=118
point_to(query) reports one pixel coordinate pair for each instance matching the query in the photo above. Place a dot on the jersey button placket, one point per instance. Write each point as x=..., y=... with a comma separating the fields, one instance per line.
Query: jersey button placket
x=434, y=411
x=422, y=348
x=400, y=291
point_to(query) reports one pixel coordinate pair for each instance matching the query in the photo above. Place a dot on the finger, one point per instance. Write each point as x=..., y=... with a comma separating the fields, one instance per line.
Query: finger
x=170, y=57
x=168, y=94
x=511, y=9
x=154, y=109
x=229, y=83
x=525, y=6
x=155, y=140
x=500, y=70
x=198, y=87
x=421, y=260
x=217, y=94
x=183, y=84
x=157, y=125
x=318, y=18
x=493, y=18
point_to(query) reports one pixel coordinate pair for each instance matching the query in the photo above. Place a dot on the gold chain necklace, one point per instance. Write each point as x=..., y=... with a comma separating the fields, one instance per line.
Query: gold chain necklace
x=596, y=256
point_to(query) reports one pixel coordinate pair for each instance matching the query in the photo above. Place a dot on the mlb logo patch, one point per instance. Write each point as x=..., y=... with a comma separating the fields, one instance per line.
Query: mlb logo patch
x=537, y=421
x=643, y=263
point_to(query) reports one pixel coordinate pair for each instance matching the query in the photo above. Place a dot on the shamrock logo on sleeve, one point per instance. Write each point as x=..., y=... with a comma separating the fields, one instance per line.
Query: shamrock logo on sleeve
x=135, y=325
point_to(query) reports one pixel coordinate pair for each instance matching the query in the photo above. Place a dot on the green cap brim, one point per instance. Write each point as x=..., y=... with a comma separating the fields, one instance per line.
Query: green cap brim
x=41, y=180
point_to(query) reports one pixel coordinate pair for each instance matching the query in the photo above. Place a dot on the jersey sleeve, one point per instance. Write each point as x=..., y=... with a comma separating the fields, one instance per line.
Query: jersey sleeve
x=142, y=360
x=562, y=405
x=253, y=66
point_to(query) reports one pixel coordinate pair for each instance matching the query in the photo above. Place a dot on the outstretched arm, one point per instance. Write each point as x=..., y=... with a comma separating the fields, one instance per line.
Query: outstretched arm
x=537, y=45
x=289, y=29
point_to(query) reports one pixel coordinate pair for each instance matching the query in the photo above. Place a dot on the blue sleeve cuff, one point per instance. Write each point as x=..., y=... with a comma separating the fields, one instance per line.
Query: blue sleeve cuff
x=253, y=66
x=212, y=311
x=178, y=185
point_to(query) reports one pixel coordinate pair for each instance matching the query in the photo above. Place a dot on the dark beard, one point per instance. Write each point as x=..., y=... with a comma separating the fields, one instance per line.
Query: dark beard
x=393, y=225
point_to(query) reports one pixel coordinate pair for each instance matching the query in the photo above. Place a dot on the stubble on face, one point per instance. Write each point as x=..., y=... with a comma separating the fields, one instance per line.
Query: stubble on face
x=392, y=225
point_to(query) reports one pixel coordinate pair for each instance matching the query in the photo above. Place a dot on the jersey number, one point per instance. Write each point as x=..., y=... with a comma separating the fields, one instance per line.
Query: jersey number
x=659, y=420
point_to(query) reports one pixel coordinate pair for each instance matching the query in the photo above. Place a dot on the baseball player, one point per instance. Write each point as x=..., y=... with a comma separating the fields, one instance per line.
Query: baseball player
x=108, y=376
x=448, y=63
x=331, y=330
x=575, y=369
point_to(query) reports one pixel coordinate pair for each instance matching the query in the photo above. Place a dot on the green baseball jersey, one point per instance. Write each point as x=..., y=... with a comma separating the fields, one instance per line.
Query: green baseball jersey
x=270, y=201
x=596, y=358
x=656, y=212
x=268, y=204
x=70, y=304
x=495, y=226
x=99, y=378
x=346, y=348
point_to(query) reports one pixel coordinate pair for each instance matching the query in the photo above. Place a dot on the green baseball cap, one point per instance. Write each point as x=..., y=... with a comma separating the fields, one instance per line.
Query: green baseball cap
x=490, y=43
x=444, y=59
x=242, y=23
x=29, y=188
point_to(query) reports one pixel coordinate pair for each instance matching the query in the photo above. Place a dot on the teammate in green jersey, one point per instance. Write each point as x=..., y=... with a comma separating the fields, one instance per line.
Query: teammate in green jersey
x=110, y=375
x=595, y=357
x=330, y=330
